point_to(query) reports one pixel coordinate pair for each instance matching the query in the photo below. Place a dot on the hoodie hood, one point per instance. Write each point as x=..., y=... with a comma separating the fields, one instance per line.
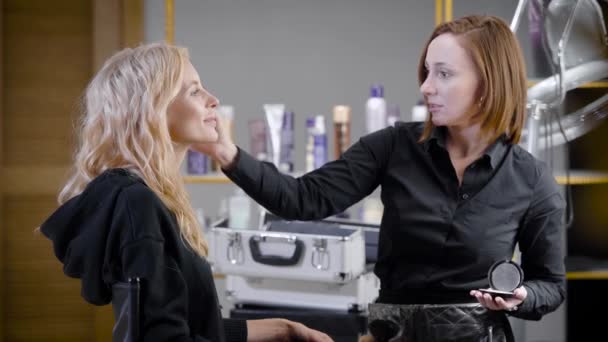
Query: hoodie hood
x=81, y=232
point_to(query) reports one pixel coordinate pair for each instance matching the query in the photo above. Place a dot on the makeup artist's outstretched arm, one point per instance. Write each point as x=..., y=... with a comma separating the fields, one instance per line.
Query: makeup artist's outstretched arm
x=326, y=191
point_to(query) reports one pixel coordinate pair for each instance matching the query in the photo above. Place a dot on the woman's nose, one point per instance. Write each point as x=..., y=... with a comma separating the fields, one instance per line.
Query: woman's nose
x=212, y=101
x=427, y=87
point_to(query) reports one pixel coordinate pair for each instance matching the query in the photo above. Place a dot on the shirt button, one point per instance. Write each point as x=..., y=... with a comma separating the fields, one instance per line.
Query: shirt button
x=465, y=196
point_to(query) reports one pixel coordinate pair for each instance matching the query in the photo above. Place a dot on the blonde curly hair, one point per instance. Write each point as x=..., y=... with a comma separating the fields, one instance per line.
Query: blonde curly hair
x=124, y=125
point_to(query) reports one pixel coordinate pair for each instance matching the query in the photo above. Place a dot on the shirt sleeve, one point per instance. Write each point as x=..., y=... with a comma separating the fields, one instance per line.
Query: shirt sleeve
x=164, y=299
x=542, y=245
x=235, y=330
x=323, y=192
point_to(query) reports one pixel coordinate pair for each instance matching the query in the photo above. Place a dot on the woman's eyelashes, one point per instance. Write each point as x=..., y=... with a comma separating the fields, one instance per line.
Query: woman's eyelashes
x=442, y=74
x=439, y=73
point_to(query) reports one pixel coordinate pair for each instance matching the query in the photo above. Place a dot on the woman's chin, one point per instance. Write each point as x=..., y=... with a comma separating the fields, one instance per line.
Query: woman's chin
x=437, y=121
x=209, y=140
x=206, y=139
x=210, y=136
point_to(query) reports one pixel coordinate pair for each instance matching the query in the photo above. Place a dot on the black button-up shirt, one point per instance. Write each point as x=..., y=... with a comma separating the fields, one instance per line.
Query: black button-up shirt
x=438, y=239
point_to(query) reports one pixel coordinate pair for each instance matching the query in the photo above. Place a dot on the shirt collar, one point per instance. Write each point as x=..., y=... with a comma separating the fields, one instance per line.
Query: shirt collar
x=436, y=138
x=494, y=152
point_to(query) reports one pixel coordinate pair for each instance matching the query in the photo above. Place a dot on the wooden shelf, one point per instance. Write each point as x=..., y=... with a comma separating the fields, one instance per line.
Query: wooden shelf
x=587, y=275
x=213, y=178
x=582, y=177
x=586, y=268
x=602, y=84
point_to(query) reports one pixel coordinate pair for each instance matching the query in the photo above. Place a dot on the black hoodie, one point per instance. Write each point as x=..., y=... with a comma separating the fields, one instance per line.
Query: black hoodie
x=118, y=228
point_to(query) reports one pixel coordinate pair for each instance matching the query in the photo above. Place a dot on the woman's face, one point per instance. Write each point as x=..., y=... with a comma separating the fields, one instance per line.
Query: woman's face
x=450, y=88
x=191, y=116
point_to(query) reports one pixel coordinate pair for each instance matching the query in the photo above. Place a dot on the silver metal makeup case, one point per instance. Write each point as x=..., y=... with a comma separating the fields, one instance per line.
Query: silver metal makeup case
x=297, y=264
x=294, y=250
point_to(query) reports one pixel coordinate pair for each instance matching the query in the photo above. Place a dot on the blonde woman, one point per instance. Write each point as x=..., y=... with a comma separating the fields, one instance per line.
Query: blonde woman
x=125, y=212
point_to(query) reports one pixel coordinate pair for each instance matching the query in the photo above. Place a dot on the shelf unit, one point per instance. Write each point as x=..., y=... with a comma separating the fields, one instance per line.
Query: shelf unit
x=582, y=177
x=212, y=178
x=587, y=275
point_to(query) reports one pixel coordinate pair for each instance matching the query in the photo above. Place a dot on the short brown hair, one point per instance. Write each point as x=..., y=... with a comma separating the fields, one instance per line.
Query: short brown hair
x=502, y=73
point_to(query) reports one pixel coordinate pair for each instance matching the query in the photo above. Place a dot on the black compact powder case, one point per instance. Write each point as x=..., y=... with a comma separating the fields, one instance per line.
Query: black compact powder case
x=504, y=276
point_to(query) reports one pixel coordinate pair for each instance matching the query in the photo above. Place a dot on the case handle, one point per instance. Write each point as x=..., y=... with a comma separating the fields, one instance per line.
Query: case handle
x=275, y=260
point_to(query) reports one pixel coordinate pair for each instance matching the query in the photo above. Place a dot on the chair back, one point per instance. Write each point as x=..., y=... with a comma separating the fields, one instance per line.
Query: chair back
x=126, y=298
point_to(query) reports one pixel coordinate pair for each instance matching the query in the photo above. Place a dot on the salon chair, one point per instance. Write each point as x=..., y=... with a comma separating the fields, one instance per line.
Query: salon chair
x=126, y=299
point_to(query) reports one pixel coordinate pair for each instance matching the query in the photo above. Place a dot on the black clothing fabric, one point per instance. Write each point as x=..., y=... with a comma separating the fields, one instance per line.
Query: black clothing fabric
x=437, y=239
x=118, y=228
x=438, y=323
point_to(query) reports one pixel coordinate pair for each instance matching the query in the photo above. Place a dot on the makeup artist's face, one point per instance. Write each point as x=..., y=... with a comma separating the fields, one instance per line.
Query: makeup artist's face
x=451, y=84
x=191, y=116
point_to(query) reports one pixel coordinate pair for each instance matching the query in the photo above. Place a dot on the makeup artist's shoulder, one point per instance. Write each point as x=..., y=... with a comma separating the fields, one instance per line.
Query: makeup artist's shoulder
x=529, y=167
x=525, y=159
x=410, y=128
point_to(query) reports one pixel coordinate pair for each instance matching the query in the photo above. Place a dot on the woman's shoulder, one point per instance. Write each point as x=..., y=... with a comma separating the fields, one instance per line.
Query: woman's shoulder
x=114, y=178
x=531, y=168
x=410, y=126
x=131, y=189
x=412, y=130
x=401, y=136
x=138, y=207
x=121, y=179
x=525, y=160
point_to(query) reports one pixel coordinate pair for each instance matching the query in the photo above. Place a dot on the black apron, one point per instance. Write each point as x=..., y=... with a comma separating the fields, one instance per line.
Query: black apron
x=469, y=322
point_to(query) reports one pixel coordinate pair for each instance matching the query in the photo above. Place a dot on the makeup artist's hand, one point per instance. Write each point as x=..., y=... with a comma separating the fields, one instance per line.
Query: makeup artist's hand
x=224, y=151
x=499, y=303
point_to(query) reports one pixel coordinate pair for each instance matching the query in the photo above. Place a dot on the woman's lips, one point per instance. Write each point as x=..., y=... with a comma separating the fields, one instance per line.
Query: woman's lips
x=212, y=121
x=434, y=107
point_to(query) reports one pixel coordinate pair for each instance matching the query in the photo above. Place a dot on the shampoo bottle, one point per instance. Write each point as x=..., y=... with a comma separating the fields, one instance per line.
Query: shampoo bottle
x=320, y=142
x=375, y=109
x=341, y=130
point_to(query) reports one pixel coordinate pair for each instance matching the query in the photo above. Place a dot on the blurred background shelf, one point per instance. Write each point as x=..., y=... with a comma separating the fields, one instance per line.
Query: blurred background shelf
x=582, y=177
x=586, y=268
x=213, y=178
x=587, y=275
